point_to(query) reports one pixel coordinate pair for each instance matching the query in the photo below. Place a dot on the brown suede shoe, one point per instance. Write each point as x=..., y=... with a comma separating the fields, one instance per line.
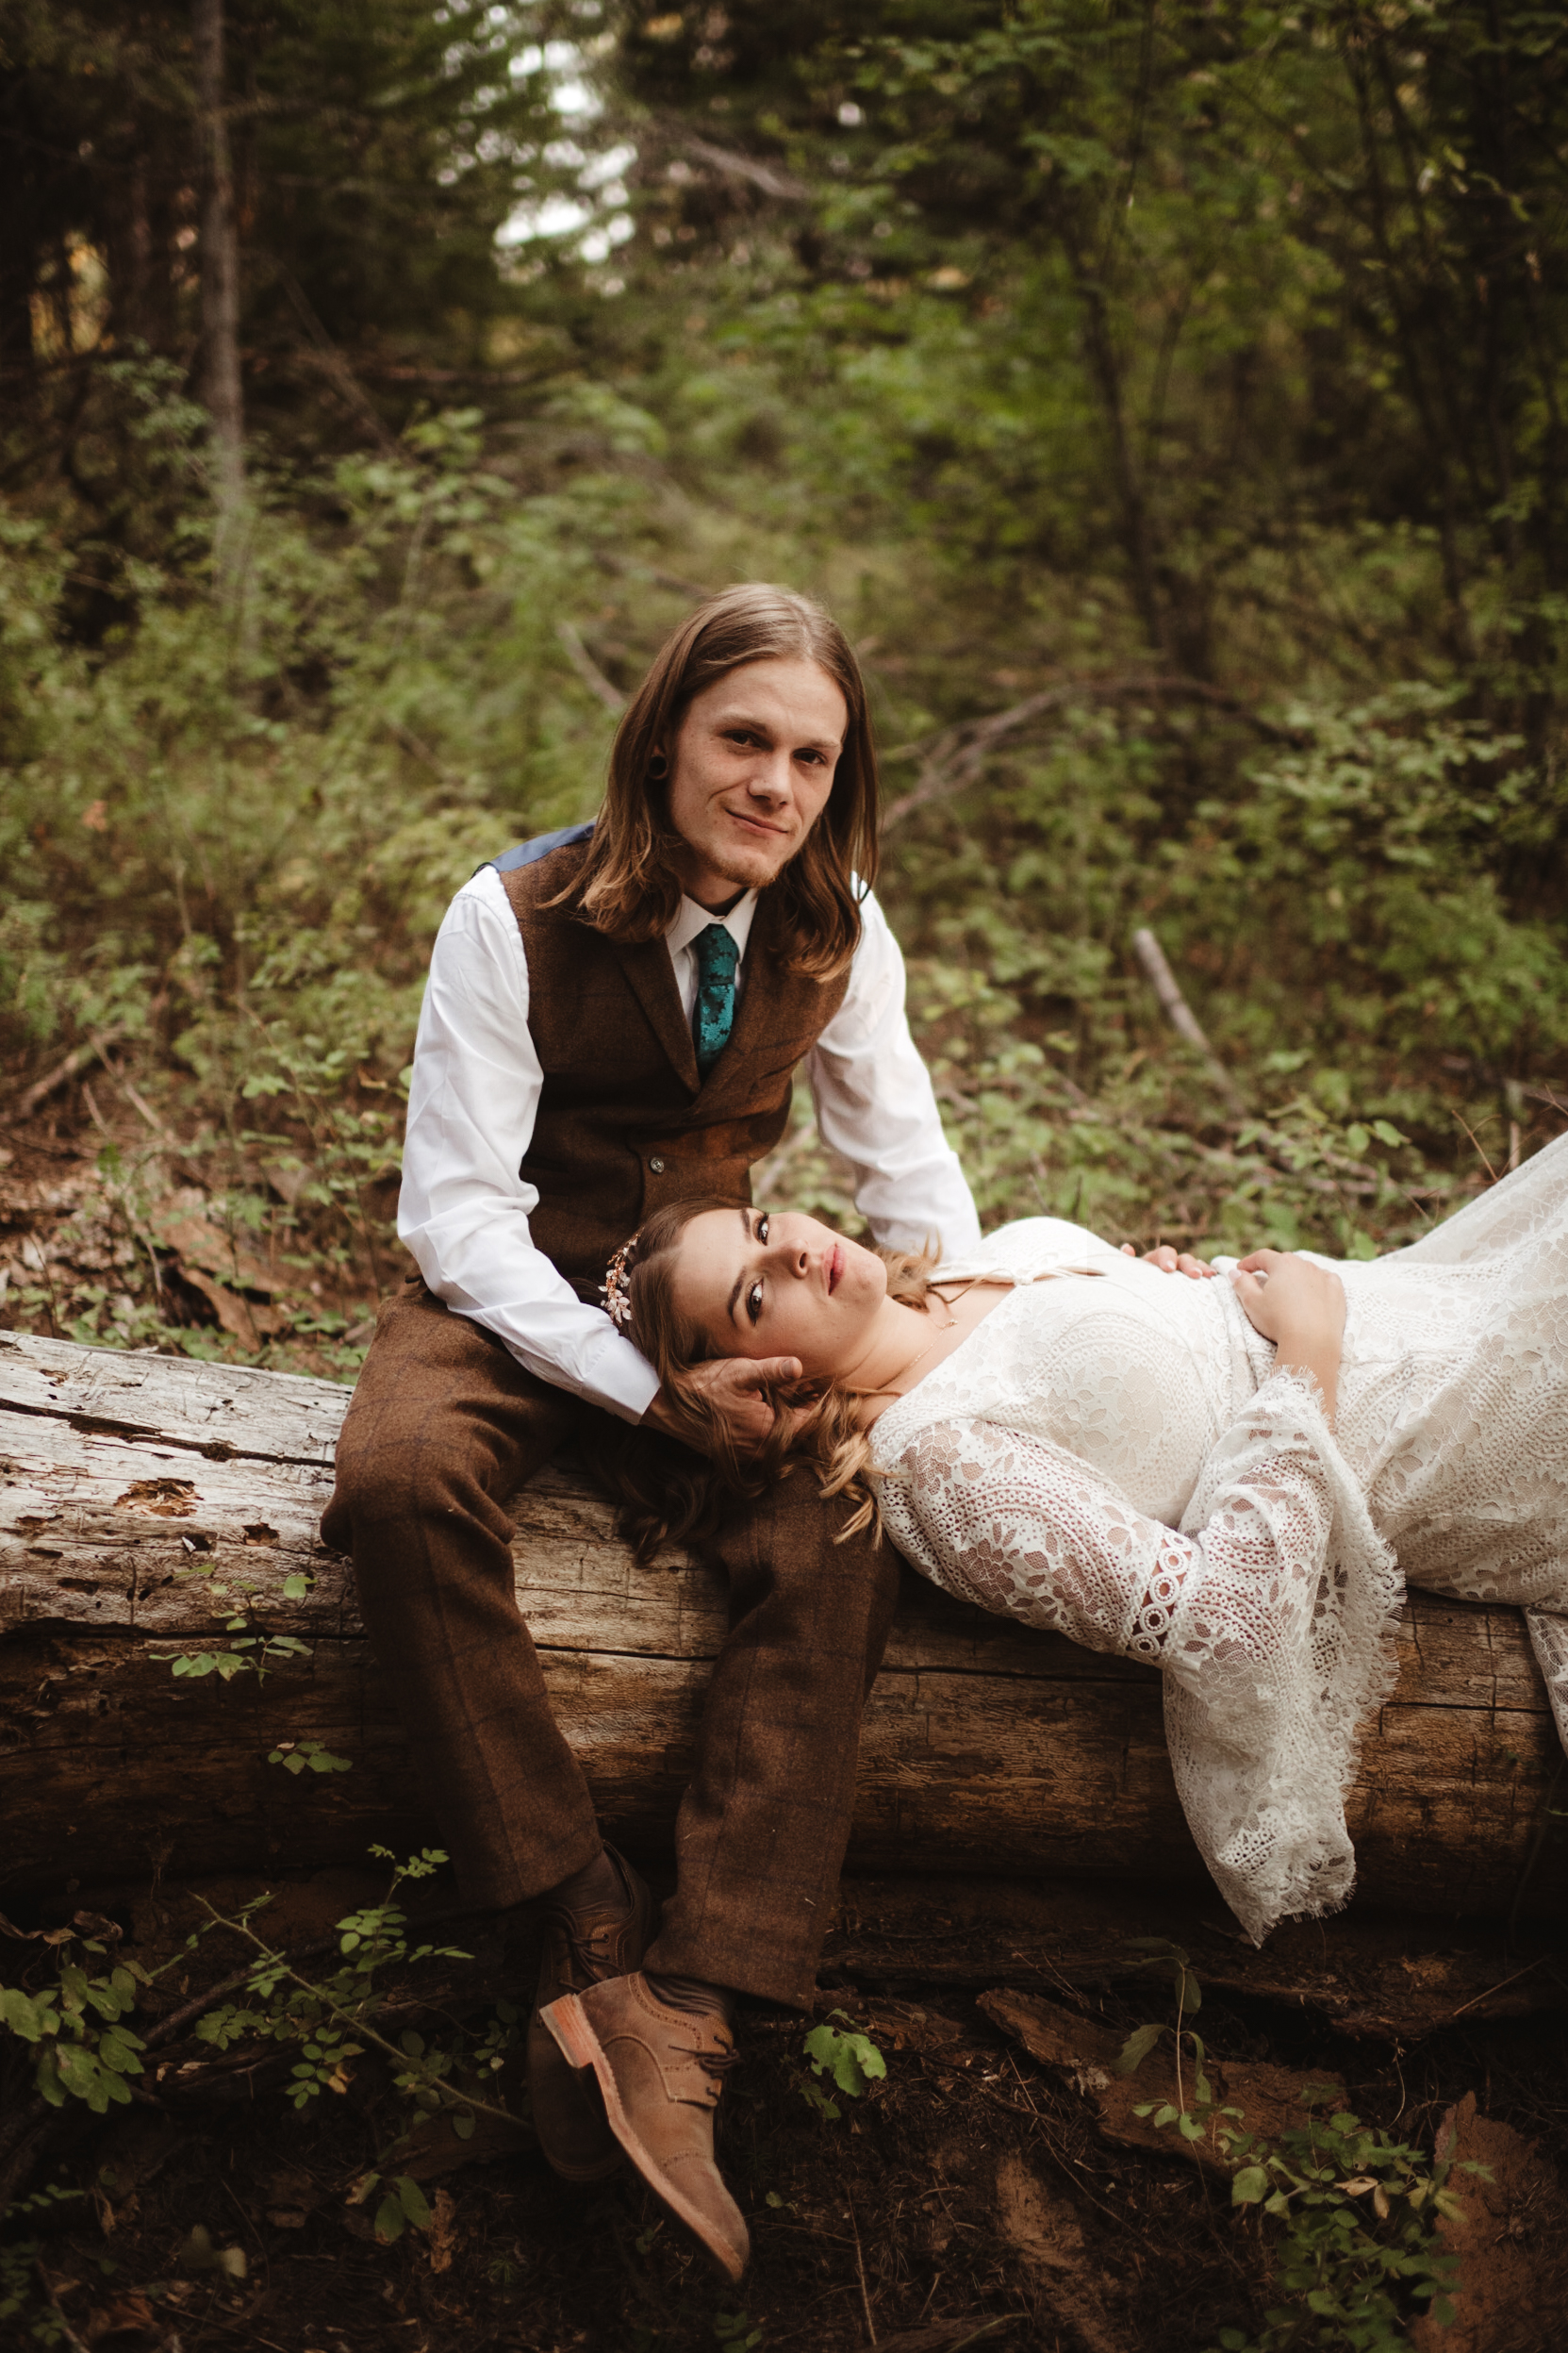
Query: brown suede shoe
x=659, y=2069
x=583, y=1946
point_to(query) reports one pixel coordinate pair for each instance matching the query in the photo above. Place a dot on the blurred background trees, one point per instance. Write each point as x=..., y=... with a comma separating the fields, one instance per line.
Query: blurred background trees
x=1171, y=398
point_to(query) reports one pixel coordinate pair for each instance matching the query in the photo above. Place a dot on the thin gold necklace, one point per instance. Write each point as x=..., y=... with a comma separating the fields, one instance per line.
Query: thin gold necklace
x=905, y=1370
x=968, y=1282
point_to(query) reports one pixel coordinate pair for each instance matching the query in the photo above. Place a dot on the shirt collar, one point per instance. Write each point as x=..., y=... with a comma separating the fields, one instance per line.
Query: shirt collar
x=690, y=919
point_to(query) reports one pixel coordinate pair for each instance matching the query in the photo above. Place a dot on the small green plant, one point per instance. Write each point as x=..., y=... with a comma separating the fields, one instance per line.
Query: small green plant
x=735, y=2332
x=84, y=2048
x=1359, y=2244
x=403, y=2205
x=851, y=2059
x=250, y=1653
x=297, y=1756
x=1359, y=2250
x=1191, y=2122
x=331, y=2020
x=19, y=2307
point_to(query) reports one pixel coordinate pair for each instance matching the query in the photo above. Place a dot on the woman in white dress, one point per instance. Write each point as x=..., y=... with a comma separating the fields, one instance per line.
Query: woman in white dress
x=1230, y=1478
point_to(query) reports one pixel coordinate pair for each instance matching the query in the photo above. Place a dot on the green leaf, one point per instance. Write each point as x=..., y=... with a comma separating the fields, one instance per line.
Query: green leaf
x=411, y=2198
x=389, y=2220
x=852, y=2060
x=462, y=2123
x=21, y=2013
x=1248, y=2186
x=1189, y=2128
x=1137, y=2049
x=1386, y=1133
x=81, y=2075
x=47, y=2077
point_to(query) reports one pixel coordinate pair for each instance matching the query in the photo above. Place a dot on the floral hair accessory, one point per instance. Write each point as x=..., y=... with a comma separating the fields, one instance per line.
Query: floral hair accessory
x=615, y=1289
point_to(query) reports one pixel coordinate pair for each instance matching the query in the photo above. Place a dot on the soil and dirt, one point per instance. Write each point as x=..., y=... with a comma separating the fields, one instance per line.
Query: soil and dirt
x=978, y=2193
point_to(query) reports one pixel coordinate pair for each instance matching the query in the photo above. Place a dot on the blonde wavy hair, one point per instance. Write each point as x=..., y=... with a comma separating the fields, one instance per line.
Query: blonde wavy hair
x=675, y=1493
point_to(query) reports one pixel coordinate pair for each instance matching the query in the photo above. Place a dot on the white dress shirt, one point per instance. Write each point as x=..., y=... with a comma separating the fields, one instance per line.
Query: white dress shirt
x=475, y=1094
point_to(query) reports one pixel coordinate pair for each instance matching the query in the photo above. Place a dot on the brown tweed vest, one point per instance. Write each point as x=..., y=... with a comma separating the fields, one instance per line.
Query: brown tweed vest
x=624, y=1123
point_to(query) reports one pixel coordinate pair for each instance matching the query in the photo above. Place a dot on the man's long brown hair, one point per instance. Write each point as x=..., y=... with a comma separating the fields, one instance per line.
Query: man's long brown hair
x=629, y=888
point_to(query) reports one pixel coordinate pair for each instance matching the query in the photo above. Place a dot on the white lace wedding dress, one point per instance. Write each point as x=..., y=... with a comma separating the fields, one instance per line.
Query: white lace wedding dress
x=1112, y=1455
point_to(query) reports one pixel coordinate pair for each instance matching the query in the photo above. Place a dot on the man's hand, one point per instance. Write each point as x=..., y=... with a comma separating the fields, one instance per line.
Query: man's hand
x=1170, y=1260
x=735, y=1388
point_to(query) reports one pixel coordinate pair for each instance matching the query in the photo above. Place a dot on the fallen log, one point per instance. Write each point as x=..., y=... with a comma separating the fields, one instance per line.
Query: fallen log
x=156, y=1513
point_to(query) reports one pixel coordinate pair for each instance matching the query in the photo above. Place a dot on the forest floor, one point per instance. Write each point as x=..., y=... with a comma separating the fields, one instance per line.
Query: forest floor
x=978, y=2193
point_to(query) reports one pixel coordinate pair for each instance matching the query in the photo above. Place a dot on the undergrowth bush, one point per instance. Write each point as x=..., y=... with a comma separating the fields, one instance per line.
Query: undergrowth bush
x=229, y=846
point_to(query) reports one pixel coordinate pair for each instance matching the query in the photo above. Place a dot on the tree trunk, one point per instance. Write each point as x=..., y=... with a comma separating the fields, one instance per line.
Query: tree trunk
x=17, y=245
x=219, y=259
x=148, y=1501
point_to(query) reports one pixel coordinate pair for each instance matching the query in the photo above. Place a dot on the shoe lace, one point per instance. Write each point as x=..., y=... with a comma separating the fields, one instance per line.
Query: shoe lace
x=587, y=1951
x=717, y=2062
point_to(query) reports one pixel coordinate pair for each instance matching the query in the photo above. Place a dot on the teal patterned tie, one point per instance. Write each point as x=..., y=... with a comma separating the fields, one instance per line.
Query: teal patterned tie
x=713, y=1016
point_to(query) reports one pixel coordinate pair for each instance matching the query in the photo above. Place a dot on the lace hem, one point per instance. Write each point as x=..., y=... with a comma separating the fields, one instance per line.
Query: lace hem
x=1269, y=1612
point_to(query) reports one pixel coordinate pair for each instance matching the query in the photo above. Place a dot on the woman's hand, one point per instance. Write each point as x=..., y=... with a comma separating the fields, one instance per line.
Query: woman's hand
x=1170, y=1260
x=1300, y=1308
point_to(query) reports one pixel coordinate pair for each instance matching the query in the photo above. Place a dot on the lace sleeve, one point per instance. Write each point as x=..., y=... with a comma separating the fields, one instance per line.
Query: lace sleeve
x=1028, y=1531
x=1267, y=1612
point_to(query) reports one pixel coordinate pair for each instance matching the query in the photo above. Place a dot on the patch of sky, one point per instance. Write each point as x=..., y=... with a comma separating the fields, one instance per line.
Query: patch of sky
x=567, y=67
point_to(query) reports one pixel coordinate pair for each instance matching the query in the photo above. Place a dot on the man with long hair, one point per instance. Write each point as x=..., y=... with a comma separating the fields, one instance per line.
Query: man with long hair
x=614, y=1018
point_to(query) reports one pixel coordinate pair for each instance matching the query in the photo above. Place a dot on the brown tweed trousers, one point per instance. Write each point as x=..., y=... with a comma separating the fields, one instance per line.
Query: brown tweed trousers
x=445, y=1426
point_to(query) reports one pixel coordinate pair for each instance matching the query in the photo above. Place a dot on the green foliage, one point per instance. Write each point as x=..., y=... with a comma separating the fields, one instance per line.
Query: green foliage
x=735, y=2332
x=72, y=2033
x=249, y=1654
x=1104, y=375
x=400, y=2207
x=85, y=2050
x=298, y=1756
x=18, y=2259
x=849, y=2058
x=1358, y=2250
x=331, y=2020
x=1359, y=2246
x=1258, y=286
x=81, y=2047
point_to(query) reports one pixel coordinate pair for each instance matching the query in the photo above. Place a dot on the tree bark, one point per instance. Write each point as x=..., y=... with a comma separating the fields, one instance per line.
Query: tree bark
x=148, y=1501
x=17, y=245
x=219, y=260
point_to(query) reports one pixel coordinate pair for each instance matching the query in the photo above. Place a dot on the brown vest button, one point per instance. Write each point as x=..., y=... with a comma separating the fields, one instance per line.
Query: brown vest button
x=657, y=1167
